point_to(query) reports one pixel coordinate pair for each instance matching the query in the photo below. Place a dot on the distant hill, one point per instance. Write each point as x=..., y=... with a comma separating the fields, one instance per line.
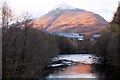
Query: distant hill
x=64, y=18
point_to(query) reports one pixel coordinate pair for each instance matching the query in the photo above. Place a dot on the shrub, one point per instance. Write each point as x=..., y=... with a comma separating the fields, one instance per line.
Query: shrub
x=64, y=44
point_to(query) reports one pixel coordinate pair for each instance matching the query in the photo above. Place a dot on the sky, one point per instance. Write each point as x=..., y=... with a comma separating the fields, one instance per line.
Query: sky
x=105, y=8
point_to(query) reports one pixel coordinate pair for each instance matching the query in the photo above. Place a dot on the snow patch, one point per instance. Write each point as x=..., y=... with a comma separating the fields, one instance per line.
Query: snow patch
x=63, y=6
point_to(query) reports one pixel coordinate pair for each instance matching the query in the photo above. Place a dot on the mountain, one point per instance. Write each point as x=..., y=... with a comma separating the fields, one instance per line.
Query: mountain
x=65, y=18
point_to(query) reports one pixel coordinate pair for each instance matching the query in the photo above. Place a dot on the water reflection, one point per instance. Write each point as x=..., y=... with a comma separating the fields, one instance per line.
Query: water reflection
x=78, y=71
x=82, y=70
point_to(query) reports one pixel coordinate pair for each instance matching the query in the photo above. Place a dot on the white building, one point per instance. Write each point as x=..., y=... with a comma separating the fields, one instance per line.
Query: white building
x=78, y=36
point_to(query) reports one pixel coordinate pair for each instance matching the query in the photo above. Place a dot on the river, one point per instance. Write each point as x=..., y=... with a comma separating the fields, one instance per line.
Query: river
x=73, y=66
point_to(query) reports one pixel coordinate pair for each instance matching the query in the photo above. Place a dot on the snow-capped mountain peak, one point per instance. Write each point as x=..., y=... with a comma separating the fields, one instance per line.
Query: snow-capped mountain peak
x=63, y=6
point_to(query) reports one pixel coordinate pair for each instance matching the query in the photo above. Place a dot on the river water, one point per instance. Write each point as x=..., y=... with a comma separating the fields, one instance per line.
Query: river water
x=78, y=66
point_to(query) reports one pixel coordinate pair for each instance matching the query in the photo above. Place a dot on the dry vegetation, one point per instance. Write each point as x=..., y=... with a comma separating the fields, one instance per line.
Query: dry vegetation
x=26, y=52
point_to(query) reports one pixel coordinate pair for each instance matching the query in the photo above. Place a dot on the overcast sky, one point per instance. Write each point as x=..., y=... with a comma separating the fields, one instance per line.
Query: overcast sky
x=104, y=8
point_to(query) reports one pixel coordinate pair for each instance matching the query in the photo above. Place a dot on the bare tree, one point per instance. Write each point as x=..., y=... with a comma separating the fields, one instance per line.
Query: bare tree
x=26, y=26
x=6, y=16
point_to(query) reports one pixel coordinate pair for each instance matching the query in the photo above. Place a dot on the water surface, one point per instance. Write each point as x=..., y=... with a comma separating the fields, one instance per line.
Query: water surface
x=82, y=70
